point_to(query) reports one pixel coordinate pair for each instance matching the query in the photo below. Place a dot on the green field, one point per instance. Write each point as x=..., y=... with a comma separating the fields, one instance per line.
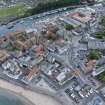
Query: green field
x=101, y=77
x=20, y=11
x=16, y=11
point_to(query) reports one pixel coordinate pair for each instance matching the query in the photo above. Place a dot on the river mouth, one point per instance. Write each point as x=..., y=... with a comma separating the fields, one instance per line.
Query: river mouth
x=10, y=98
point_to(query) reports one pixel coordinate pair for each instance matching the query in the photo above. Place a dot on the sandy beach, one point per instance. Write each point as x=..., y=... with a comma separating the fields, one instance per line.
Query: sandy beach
x=35, y=98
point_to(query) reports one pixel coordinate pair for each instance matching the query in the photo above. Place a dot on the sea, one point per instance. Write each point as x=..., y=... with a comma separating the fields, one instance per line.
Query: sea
x=10, y=98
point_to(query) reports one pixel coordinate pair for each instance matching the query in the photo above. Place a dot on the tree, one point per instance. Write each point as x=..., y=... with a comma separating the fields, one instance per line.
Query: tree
x=51, y=36
x=103, y=21
x=93, y=55
x=69, y=27
x=54, y=4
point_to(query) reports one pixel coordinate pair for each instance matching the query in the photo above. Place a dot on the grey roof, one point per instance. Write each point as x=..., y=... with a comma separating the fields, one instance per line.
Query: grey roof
x=95, y=44
x=99, y=70
x=71, y=21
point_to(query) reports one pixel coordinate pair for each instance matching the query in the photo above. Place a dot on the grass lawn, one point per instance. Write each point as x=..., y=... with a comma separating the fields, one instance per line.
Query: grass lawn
x=101, y=77
x=100, y=35
x=18, y=10
x=93, y=55
x=10, y=47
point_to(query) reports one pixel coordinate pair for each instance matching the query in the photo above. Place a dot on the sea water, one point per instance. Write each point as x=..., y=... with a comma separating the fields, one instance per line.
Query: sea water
x=9, y=98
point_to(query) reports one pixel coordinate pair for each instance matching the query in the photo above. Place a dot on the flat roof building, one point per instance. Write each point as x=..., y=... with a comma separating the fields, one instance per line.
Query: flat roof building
x=95, y=44
x=81, y=17
x=3, y=55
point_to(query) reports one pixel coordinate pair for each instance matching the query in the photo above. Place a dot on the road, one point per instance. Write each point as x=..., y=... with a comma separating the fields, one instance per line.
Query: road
x=28, y=22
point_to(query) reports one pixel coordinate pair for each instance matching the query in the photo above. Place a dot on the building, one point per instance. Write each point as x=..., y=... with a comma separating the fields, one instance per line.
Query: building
x=29, y=61
x=58, y=75
x=11, y=68
x=64, y=76
x=89, y=66
x=31, y=30
x=81, y=17
x=84, y=17
x=69, y=20
x=3, y=56
x=21, y=40
x=4, y=41
x=97, y=71
x=88, y=1
x=31, y=73
x=99, y=67
x=95, y=44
